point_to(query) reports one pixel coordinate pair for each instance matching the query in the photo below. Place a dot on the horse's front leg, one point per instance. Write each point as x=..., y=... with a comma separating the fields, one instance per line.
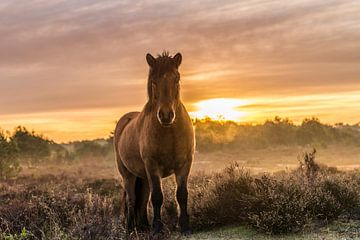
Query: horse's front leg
x=156, y=197
x=182, y=198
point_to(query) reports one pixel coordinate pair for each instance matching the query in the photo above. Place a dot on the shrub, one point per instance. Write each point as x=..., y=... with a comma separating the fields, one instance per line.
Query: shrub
x=279, y=203
x=97, y=219
x=228, y=198
x=308, y=167
x=9, y=162
x=53, y=207
x=24, y=235
x=86, y=149
x=60, y=208
x=279, y=206
x=33, y=148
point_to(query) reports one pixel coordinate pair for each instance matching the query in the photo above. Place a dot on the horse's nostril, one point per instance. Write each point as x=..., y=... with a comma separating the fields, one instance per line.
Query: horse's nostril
x=171, y=115
x=161, y=115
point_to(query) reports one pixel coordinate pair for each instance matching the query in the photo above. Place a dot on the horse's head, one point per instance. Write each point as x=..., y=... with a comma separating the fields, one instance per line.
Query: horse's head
x=163, y=86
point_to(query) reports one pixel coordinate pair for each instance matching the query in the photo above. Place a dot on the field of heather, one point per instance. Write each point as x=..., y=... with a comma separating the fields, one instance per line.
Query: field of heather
x=229, y=199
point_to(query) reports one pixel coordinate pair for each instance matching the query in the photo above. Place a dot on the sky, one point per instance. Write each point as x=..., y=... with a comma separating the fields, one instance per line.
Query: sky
x=70, y=69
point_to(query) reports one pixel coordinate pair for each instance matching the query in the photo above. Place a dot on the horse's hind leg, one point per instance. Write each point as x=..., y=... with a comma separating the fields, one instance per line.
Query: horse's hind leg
x=129, y=184
x=129, y=181
x=182, y=197
x=123, y=207
x=142, y=199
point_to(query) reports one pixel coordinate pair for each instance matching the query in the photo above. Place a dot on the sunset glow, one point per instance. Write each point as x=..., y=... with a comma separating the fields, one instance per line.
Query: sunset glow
x=71, y=70
x=220, y=109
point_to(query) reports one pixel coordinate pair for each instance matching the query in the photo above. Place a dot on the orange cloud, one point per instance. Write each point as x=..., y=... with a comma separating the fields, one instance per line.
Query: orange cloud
x=61, y=56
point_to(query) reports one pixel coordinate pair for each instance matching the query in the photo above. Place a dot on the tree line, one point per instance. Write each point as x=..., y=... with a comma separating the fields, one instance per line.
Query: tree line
x=24, y=147
x=227, y=135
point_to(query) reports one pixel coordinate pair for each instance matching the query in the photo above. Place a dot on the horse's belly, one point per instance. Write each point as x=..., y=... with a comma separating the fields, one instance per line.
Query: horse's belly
x=169, y=160
x=166, y=165
x=131, y=158
x=135, y=166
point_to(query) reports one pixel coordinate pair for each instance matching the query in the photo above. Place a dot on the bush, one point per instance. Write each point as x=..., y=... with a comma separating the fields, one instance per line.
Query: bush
x=279, y=206
x=214, y=135
x=33, y=148
x=93, y=149
x=227, y=201
x=279, y=203
x=9, y=162
x=59, y=207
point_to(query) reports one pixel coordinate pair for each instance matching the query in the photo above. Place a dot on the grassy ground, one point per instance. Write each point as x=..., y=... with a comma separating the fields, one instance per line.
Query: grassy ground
x=279, y=158
x=258, y=161
x=335, y=231
x=81, y=200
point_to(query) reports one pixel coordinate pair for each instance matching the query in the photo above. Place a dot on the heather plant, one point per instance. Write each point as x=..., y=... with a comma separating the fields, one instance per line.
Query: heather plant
x=60, y=207
x=278, y=203
x=308, y=167
x=24, y=235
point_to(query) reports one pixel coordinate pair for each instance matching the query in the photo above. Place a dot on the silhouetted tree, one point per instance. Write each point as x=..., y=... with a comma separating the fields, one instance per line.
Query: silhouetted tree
x=9, y=162
x=33, y=148
x=279, y=131
x=313, y=132
x=89, y=148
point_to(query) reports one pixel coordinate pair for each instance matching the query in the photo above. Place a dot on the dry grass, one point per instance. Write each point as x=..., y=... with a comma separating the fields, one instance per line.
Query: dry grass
x=82, y=201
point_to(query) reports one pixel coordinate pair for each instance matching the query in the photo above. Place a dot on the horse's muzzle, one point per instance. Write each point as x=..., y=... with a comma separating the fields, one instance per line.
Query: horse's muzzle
x=166, y=118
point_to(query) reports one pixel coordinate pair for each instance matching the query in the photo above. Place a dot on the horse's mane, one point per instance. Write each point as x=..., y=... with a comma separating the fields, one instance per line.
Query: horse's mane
x=164, y=63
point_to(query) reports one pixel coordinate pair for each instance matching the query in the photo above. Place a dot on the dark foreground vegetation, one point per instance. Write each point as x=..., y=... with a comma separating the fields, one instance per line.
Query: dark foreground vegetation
x=64, y=207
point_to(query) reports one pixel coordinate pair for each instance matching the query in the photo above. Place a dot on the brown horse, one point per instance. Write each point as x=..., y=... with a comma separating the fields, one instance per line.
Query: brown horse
x=155, y=143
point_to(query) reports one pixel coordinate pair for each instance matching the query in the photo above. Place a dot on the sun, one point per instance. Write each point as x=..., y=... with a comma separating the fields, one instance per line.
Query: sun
x=220, y=109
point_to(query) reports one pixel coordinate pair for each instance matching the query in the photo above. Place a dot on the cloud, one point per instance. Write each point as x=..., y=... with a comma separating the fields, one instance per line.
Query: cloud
x=59, y=55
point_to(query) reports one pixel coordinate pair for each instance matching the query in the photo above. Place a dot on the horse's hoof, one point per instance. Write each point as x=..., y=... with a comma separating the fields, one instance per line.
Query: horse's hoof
x=157, y=226
x=144, y=227
x=157, y=236
x=186, y=232
x=129, y=230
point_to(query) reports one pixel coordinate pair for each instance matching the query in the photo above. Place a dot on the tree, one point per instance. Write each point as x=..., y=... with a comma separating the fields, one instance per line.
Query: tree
x=86, y=148
x=312, y=131
x=279, y=131
x=9, y=162
x=33, y=148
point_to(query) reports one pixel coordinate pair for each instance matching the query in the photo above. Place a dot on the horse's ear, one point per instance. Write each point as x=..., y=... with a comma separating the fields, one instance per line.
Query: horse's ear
x=177, y=59
x=150, y=60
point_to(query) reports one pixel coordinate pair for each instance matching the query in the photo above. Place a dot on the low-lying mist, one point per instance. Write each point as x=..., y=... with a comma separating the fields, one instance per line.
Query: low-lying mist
x=275, y=145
